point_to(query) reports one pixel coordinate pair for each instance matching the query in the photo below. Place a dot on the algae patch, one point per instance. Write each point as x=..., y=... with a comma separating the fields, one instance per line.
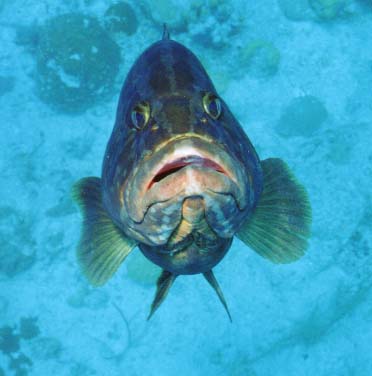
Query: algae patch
x=77, y=62
x=120, y=18
x=261, y=58
x=11, y=339
x=302, y=117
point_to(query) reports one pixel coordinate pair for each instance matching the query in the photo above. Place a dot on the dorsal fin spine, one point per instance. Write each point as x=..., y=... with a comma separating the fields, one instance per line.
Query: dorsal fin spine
x=166, y=35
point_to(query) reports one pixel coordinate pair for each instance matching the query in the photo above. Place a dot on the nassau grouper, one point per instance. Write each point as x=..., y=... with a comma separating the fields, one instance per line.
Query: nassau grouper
x=180, y=179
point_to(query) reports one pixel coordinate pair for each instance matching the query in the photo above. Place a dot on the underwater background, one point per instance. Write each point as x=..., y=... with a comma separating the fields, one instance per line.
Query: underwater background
x=297, y=74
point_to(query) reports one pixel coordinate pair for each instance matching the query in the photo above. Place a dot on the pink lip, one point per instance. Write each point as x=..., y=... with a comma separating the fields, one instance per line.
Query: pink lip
x=178, y=164
x=208, y=168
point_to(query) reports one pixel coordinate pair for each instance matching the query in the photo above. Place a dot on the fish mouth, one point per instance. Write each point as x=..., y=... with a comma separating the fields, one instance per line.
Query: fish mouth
x=183, y=167
x=174, y=166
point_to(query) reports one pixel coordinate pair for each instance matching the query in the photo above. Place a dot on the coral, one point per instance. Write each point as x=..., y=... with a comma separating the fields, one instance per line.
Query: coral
x=6, y=84
x=329, y=9
x=297, y=10
x=77, y=62
x=141, y=270
x=9, y=341
x=120, y=18
x=260, y=57
x=302, y=117
x=28, y=327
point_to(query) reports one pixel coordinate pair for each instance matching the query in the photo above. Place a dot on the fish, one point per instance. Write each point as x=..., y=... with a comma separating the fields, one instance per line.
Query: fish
x=180, y=180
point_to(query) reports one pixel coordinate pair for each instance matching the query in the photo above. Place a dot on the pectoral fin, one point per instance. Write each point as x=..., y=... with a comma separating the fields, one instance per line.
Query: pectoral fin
x=102, y=246
x=209, y=276
x=280, y=225
x=163, y=286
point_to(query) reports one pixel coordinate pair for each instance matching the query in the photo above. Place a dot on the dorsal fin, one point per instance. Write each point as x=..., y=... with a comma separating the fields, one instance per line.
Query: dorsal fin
x=166, y=35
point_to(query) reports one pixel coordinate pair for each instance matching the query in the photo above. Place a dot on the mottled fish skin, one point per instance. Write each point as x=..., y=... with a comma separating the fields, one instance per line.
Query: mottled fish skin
x=172, y=80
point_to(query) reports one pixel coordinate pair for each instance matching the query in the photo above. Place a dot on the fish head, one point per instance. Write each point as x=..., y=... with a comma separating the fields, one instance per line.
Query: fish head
x=175, y=139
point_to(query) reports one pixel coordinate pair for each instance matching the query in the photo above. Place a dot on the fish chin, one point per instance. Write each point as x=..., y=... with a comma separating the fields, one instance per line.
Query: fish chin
x=182, y=168
x=160, y=221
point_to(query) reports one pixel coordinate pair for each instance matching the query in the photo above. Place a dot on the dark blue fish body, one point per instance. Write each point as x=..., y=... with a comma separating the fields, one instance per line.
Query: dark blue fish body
x=172, y=81
x=180, y=177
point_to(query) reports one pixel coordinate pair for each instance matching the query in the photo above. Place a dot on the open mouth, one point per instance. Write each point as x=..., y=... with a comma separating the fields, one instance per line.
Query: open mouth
x=178, y=164
x=179, y=168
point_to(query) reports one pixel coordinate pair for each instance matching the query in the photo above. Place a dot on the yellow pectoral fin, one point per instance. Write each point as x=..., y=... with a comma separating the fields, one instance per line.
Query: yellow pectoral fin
x=279, y=228
x=102, y=246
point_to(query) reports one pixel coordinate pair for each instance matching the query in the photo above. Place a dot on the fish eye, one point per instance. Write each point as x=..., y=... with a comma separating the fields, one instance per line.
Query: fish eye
x=212, y=105
x=140, y=115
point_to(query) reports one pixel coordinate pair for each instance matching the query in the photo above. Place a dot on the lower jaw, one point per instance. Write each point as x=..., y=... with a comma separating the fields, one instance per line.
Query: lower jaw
x=190, y=260
x=145, y=187
x=162, y=220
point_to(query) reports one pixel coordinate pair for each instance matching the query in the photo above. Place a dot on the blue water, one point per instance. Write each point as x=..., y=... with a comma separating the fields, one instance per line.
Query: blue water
x=298, y=76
